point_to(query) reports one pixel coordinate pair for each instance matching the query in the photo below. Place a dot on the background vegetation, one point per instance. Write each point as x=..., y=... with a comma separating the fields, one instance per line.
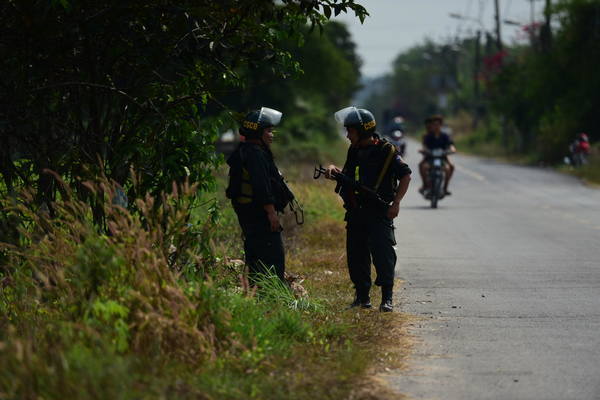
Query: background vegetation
x=119, y=271
x=149, y=84
x=524, y=100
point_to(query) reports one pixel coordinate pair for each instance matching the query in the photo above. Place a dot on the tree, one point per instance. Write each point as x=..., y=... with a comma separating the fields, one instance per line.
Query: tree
x=551, y=95
x=420, y=76
x=131, y=83
x=326, y=77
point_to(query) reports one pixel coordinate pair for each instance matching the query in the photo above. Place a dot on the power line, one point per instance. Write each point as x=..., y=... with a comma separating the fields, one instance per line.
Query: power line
x=498, y=27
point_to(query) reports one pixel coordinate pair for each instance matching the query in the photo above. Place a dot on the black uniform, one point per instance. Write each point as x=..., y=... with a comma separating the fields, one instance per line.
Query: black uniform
x=431, y=142
x=255, y=181
x=370, y=233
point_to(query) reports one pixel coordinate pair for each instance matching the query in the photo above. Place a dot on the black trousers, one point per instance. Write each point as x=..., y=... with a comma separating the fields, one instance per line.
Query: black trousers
x=263, y=248
x=370, y=237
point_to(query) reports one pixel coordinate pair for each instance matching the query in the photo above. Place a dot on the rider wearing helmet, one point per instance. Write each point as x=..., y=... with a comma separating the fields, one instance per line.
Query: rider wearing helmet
x=583, y=143
x=433, y=139
x=375, y=164
x=579, y=149
x=256, y=193
x=396, y=137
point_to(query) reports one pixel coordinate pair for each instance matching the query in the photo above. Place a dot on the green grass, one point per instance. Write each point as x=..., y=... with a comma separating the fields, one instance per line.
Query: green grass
x=348, y=345
x=89, y=315
x=486, y=141
x=590, y=172
x=486, y=144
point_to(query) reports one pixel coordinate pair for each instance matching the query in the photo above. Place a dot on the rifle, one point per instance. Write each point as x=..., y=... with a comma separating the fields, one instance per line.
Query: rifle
x=348, y=182
x=288, y=199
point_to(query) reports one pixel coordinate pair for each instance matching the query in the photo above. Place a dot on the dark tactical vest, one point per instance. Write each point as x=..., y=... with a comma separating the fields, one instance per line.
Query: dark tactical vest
x=370, y=166
x=240, y=189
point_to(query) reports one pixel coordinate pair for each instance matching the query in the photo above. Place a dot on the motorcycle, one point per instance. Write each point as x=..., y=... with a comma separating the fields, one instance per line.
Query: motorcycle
x=436, y=175
x=578, y=154
x=397, y=139
x=579, y=150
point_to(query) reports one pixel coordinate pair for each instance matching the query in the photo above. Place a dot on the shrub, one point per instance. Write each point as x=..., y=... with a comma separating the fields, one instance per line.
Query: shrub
x=117, y=311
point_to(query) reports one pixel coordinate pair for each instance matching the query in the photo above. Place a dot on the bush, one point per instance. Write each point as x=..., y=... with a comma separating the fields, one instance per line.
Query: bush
x=119, y=312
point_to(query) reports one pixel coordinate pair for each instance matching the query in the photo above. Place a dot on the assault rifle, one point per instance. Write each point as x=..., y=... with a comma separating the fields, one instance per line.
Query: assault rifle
x=347, y=182
x=288, y=199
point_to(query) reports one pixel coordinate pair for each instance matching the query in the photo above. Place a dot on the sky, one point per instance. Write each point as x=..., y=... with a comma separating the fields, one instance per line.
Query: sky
x=397, y=25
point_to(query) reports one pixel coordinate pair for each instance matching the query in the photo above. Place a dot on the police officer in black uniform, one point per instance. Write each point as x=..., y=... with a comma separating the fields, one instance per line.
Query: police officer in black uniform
x=257, y=193
x=376, y=165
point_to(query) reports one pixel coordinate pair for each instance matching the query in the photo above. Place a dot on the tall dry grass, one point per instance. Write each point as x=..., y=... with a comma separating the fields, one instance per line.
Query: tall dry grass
x=90, y=310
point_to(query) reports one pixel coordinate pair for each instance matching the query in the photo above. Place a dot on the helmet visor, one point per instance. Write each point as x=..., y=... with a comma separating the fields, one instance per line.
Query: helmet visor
x=342, y=115
x=269, y=116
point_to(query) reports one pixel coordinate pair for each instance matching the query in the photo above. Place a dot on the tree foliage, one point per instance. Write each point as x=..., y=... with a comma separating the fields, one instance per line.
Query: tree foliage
x=551, y=95
x=421, y=77
x=105, y=301
x=327, y=76
x=133, y=84
x=533, y=98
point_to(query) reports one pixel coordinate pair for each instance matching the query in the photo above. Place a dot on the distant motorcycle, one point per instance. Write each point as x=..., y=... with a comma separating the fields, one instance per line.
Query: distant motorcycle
x=396, y=137
x=436, y=176
x=579, y=151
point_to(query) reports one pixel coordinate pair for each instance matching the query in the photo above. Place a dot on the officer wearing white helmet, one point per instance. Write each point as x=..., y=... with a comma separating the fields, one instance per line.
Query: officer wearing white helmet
x=258, y=193
x=376, y=166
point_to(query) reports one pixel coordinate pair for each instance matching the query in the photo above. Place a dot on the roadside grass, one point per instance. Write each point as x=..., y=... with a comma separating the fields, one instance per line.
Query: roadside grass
x=487, y=143
x=484, y=140
x=350, y=346
x=156, y=309
x=477, y=144
x=590, y=173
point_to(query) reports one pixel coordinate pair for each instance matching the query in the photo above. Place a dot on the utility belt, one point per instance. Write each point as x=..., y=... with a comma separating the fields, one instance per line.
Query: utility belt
x=367, y=212
x=367, y=203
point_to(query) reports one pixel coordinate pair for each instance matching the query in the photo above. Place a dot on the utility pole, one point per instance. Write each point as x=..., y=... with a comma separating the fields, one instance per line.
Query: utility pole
x=477, y=64
x=532, y=33
x=476, y=69
x=500, y=48
x=546, y=31
x=498, y=34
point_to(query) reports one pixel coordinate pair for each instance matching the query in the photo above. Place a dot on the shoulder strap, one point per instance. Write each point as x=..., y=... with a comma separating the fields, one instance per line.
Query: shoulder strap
x=391, y=153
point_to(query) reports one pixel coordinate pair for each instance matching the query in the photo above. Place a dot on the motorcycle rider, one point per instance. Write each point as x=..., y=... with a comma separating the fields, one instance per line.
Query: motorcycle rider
x=396, y=137
x=580, y=149
x=256, y=193
x=434, y=138
x=377, y=165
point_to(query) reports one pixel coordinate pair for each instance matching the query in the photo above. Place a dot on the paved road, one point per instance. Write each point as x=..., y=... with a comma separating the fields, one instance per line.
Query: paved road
x=505, y=277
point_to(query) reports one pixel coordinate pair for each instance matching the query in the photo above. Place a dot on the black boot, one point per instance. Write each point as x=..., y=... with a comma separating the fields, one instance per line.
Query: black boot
x=361, y=301
x=386, y=299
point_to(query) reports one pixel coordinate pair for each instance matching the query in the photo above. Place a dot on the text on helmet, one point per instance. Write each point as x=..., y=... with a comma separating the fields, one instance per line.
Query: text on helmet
x=251, y=125
x=369, y=125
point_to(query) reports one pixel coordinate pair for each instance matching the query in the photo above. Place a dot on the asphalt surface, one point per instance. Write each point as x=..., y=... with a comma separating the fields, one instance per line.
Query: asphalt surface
x=504, y=278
